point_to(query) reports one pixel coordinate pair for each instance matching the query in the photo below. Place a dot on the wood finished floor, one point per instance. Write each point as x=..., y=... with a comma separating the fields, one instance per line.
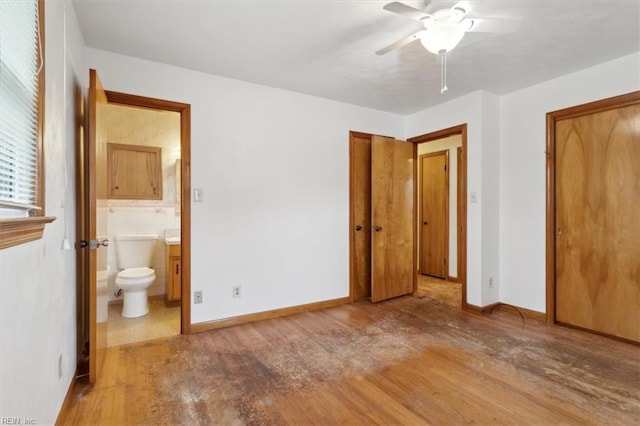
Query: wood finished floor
x=443, y=291
x=411, y=361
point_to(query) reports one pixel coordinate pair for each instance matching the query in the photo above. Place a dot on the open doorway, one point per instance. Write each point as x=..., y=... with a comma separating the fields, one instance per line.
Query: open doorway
x=142, y=144
x=92, y=157
x=441, y=215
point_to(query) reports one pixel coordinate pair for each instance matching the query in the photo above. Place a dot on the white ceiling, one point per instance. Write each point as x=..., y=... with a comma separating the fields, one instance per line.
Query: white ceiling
x=327, y=48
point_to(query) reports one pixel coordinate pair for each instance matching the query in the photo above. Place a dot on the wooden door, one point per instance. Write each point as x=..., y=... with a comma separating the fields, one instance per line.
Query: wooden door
x=597, y=265
x=360, y=223
x=392, y=199
x=96, y=314
x=434, y=214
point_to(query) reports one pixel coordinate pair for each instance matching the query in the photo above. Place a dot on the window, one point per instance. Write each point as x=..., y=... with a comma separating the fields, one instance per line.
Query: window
x=21, y=102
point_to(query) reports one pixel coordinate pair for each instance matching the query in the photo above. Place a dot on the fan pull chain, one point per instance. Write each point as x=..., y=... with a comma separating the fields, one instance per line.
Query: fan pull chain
x=443, y=71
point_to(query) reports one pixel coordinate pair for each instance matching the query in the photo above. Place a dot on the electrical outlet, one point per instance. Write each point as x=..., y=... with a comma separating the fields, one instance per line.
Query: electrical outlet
x=490, y=282
x=197, y=296
x=236, y=289
x=59, y=366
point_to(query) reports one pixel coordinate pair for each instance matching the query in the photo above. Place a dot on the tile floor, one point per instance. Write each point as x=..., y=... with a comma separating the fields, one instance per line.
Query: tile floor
x=161, y=321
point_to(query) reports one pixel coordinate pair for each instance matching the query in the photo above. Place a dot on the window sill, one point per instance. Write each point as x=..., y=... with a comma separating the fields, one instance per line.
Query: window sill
x=22, y=230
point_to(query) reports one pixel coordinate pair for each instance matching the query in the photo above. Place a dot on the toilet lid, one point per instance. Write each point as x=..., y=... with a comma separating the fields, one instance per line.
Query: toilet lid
x=135, y=272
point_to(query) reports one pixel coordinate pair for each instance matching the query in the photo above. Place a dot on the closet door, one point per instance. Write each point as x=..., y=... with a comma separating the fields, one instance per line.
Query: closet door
x=434, y=211
x=360, y=194
x=597, y=225
x=392, y=218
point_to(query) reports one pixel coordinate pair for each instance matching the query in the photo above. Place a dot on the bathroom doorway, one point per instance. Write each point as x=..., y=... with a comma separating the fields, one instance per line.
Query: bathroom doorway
x=94, y=293
x=138, y=181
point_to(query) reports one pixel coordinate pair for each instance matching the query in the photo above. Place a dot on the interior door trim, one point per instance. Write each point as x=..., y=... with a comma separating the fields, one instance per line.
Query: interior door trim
x=552, y=118
x=461, y=130
x=185, y=215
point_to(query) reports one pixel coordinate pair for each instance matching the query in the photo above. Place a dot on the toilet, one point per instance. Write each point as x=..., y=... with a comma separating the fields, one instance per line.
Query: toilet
x=134, y=255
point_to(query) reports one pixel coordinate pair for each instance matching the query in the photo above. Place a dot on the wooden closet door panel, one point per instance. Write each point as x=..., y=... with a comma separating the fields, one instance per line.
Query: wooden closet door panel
x=434, y=223
x=361, y=211
x=598, y=230
x=392, y=220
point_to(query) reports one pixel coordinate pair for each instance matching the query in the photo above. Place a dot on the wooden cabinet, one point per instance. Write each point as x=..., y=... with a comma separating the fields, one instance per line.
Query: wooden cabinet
x=174, y=274
x=134, y=172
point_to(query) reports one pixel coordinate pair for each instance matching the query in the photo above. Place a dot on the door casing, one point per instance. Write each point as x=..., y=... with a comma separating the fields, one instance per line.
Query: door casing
x=185, y=210
x=461, y=213
x=91, y=335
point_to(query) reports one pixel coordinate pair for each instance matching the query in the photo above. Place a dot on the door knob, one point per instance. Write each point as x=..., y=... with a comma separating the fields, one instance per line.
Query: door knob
x=94, y=244
x=358, y=228
x=377, y=228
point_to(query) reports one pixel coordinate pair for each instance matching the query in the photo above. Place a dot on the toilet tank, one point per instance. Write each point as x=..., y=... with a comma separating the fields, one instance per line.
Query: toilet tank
x=135, y=250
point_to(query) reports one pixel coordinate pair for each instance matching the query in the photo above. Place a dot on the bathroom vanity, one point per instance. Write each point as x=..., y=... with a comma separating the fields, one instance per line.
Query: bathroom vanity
x=174, y=271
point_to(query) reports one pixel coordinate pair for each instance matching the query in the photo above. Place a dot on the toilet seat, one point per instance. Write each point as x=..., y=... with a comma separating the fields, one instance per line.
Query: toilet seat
x=135, y=279
x=130, y=274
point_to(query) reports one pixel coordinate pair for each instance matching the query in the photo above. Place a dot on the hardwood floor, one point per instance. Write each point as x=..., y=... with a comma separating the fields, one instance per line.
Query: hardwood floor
x=443, y=291
x=411, y=360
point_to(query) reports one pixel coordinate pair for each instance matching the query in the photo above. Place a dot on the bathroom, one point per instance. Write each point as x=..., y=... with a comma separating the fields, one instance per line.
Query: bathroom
x=140, y=142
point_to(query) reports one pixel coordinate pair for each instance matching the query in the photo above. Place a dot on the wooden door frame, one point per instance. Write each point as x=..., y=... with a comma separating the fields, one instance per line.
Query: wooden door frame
x=419, y=212
x=552, y=118
x=462, y=200
x=185, y=211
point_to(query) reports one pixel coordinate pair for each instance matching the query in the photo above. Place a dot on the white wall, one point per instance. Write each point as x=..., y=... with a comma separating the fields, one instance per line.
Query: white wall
x=523, y=165
x=37, y=279
x=481, y=141
x=490, y=201
x=273, y=166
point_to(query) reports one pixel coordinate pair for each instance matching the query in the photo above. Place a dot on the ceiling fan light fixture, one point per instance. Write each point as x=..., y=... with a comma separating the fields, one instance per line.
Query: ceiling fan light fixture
x=442, y=36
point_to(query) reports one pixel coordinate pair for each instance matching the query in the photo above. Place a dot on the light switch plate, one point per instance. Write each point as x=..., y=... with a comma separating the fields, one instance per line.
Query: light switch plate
x=198, y=195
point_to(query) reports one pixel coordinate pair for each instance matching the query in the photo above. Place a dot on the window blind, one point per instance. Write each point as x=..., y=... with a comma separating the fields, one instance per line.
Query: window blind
x=20, y=63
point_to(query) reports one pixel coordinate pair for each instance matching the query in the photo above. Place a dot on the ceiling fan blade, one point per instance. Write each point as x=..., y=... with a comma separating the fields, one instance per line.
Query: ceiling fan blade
x=400, y=43
x=436, y=5
x=500, y=26
x=467, y=5
x=405, y=10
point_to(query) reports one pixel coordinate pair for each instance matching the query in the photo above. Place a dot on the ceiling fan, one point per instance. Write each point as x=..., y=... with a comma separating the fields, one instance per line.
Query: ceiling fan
x=445, y=24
